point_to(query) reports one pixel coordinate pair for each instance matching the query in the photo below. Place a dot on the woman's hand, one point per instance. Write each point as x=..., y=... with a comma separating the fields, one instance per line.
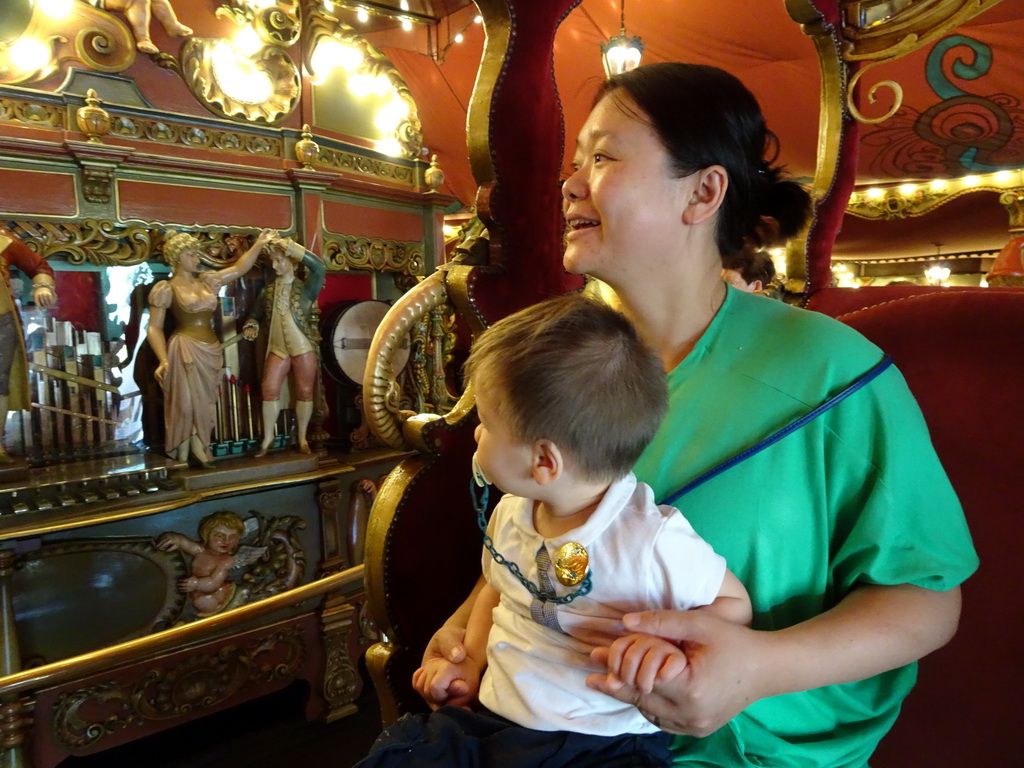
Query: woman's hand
x=721, y=677
x=443, y=655
x=161, y=372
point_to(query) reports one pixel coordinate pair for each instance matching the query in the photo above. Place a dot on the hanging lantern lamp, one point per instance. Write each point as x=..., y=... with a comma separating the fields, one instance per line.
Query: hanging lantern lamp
x=621, y=53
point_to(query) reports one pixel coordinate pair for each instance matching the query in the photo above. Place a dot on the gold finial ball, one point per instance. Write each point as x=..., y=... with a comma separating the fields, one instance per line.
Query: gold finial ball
x=434, y=175
x=93, y=120
x=307, y=151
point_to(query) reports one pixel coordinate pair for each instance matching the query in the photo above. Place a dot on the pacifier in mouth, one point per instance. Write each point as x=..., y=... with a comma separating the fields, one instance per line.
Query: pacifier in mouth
x=478, y=474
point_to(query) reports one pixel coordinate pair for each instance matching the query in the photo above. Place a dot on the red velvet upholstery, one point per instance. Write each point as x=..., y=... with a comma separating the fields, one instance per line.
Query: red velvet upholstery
x=962, y=353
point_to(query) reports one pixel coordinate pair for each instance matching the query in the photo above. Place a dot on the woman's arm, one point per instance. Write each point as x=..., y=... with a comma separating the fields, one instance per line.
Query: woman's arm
x=244, y=262
x=158, y=340
x=872, y=630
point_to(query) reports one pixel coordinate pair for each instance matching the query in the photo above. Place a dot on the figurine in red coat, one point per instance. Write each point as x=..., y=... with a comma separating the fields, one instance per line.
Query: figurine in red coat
x=14, y=392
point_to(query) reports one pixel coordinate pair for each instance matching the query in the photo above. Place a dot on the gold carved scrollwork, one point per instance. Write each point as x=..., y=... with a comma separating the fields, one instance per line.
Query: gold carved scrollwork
x=366, y=166
x=433, y=341
x=878, y=31
x=199, y=682
x=341, y=680
x=198, y=69
x=320, y=25
x=91, y=241
x=276, y=24
x=31, y=113
x=81, y=34
x=1013, y=201
x=168, y=132
x=381, y=391
x=344, y=252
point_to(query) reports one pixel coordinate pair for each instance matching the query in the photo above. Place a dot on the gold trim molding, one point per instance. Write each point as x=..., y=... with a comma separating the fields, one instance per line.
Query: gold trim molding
x=346, y=252
x=108, y=243
x=162, y=131
x=200, y=681
x=31, y=113
x=898, y=201
x=366, y=166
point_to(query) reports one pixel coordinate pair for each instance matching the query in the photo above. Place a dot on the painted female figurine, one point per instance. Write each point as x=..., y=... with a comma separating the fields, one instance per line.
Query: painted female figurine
x=289, y=307
x=192, y=359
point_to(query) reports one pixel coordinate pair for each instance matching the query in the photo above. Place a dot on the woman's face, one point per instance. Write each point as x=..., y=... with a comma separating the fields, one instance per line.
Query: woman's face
x=188, y=259
x=623, y=206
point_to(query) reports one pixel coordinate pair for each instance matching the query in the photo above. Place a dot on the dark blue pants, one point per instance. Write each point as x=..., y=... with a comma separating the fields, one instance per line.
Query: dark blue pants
x=454, y=737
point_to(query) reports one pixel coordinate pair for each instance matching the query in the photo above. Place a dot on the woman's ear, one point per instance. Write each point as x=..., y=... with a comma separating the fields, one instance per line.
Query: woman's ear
x=547, y=462
x=708, y=194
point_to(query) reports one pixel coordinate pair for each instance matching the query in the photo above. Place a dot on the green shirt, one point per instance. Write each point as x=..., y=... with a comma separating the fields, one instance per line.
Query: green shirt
x=856, y=496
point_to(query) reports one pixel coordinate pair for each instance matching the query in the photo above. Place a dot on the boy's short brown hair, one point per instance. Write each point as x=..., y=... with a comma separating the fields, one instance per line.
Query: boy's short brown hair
x=574, y=371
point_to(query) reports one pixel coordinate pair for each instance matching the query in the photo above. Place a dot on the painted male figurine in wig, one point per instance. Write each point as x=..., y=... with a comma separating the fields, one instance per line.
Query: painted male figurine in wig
x=288, y=307
x=14, y=392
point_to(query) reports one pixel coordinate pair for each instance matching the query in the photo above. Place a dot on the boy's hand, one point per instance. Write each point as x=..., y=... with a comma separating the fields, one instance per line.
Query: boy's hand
x=442, y=682
x=642, y=661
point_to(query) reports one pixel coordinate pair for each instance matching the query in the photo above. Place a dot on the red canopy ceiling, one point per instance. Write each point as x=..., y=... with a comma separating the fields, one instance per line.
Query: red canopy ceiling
x=961, y=111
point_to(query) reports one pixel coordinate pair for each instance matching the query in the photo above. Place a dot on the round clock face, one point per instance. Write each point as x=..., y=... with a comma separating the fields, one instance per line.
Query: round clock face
x=348, y=331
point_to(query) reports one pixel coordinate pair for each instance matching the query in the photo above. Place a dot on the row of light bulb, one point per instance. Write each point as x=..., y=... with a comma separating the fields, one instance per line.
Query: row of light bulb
x=363, y=16
x=942, y=185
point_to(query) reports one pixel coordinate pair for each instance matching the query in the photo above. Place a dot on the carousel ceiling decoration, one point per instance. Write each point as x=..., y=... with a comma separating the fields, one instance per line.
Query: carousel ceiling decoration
x=333, y=46
x=250, y=77
x=61, y=33
x=878, y=31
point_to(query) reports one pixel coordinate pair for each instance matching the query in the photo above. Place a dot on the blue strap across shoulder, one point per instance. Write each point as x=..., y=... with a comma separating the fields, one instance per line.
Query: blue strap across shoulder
x=774, y=438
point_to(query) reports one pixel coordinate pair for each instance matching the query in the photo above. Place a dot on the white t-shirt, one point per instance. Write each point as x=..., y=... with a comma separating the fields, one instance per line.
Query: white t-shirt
x=642, y=557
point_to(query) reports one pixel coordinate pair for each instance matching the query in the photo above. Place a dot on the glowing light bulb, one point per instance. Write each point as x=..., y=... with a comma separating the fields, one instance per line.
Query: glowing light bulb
x=406, y=25
x=1003, y=176
x=368, y=85
x=478, y=20
x=247, y=42
x=30, y=53
x=363, y=15
x=459, y=38
x=938, y=185
x=971, y=181
x=907, y=190
x=56, y=9
x=875, y=193
x=391, y=115
x=239, y=77
x=389, y=147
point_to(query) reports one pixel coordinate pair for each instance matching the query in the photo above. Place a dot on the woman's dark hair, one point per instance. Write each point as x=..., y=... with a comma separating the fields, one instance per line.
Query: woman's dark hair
x=705, y=116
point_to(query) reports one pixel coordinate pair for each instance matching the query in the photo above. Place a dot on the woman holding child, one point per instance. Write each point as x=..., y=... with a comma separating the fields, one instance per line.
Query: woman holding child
x=846, y=534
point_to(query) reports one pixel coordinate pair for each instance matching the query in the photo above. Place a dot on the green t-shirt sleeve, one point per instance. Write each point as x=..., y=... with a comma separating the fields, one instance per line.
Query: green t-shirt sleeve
x=897, y=518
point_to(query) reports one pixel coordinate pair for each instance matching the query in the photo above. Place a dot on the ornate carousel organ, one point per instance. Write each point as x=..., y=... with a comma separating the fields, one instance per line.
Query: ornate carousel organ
x=142, y=588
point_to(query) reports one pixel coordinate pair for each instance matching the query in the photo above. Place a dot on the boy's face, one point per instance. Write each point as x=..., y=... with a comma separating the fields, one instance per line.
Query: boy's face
x=506, y=460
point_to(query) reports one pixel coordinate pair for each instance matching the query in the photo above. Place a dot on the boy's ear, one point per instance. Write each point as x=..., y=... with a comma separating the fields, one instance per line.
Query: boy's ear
x=547, y=462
